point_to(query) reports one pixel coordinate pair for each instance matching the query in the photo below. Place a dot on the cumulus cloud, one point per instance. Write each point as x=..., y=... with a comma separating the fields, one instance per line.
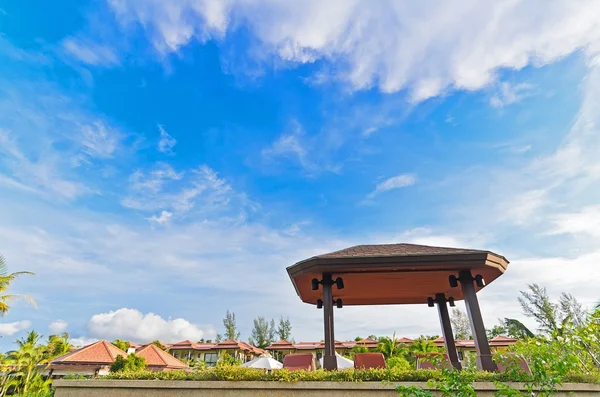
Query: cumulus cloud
x=82, y=341
x=162, y=219
x=395, y=182
x=133, y=325
x=167, y=142
x=12, y=328
x=384, y=44
x=58, y=326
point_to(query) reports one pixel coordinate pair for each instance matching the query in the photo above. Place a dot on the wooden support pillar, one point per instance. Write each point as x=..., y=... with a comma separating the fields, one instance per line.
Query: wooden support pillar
x=440, y=299
x=329, y=359
x=484, y=354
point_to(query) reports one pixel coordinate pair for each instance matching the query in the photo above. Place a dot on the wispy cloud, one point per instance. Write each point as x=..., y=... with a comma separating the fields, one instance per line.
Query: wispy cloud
x=89, y=52
x=395, y=182
x=167, y=142
x=509, y=94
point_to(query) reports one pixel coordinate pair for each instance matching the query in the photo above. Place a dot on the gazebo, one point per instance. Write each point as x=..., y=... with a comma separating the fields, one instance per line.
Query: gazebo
x=400, y=274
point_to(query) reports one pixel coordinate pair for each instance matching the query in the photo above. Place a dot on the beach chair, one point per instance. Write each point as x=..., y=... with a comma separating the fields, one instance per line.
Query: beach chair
x=433, y=361
x=369, y=361
x=299, y=362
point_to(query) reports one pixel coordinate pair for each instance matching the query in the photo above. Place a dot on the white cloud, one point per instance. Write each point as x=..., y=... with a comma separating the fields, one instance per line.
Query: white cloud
x=58, y=326
x=162, y=219
x=9, y=329
x=426, y=47
x=509, y=94
x=131, y=324
x=88, y=52
x=167, y=142
x=395, y=182
x=583, y=222
x=199, y=189
x=99, y=140
x=82, y=341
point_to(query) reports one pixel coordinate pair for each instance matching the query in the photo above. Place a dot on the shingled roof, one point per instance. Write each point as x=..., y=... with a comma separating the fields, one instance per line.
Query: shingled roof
x=101, y=352
x=157, y=358
x=381, y=250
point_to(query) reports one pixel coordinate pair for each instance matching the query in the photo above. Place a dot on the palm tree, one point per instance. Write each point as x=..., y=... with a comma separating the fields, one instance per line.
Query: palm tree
x=390, y=347
x=58, y=345
x=421, y=346
x=6, y=280
x=26, y=360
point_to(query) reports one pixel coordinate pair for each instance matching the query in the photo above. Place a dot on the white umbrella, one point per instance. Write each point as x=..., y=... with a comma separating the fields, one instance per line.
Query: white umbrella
x=342, y=362
x=263, y=362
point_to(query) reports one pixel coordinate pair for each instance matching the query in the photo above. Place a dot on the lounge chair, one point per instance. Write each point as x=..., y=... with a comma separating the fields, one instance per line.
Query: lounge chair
x=369, y=361
x=512, y=361
x=299, y=362
x=433, y=361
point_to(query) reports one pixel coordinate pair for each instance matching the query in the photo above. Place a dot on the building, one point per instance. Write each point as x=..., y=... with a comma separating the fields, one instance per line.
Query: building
x=91, y=360
x=158, y=359
x=211, y=352
x=95, y=360
x=465, y=347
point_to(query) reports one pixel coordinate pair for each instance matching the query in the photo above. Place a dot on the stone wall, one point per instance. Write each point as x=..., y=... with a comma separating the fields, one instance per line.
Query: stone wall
x=150, y=388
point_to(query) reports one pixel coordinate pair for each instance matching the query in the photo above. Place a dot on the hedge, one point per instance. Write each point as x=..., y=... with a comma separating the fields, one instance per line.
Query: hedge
x=373, y=375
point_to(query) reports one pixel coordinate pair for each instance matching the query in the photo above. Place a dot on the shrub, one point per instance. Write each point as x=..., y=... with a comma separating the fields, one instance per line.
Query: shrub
x=131, y=363
x=389, y=375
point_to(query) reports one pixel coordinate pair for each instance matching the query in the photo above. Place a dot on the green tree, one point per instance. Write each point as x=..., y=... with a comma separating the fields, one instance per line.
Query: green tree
x=420, y=346
x=284, y=329
x=262, y=333
x=230, y=324
x=6, y=280
x=26, y=360
x=131, y=363
x=121, y=344
x=497, y=330
x=159, y=344
x=390, y=347
x=58, y=345
x=516, y=329
x=460, y=324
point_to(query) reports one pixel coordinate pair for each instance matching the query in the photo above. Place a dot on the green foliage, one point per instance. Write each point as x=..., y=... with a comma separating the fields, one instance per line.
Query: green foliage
x=398, y=363
x=121, y=344
x=227, y=360
x=375, y=375
x=284, y=329
x=230, y=324
x=413, y=391
x=455, y=383
x=131, y=363
x=390, y=347
x=159, y=344
x=6, y=280
x=263, y=333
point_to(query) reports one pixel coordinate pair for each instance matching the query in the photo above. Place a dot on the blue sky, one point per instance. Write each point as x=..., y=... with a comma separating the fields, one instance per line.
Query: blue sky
x=162, y=162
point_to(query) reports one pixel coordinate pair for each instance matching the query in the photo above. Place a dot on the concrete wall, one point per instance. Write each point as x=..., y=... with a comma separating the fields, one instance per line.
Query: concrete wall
x=149, y=388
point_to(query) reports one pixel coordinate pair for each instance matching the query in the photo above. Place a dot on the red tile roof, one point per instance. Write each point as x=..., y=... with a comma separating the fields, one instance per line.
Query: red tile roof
x=281, y=345
x=158, y=358
x=101, y=352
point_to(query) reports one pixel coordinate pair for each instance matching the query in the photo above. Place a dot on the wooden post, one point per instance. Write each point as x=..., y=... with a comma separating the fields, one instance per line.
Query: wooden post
x=329, y=360
x=440, y=299
x=484, y=355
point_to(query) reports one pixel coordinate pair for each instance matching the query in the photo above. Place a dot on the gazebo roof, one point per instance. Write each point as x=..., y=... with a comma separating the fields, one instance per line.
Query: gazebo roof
x=394, y=273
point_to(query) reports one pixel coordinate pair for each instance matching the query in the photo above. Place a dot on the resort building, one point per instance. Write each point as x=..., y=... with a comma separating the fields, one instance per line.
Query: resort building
x=211, y=352
x=91, y=360
x=95, y=360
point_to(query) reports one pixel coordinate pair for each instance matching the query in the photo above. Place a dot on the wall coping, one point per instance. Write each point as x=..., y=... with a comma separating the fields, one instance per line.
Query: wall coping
x=275, y=385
